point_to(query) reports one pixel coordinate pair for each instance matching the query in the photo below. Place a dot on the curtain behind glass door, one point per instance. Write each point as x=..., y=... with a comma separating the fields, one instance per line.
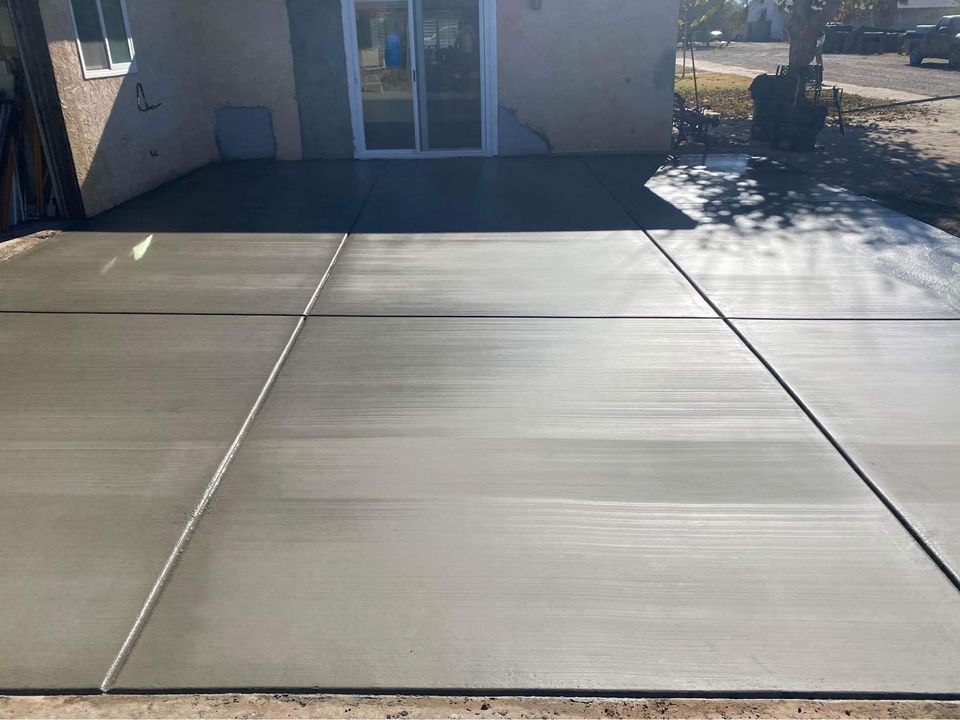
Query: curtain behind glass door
x=450, y=74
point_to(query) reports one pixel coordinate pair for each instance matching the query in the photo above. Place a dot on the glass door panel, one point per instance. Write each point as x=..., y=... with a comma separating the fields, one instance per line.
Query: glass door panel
x=451, y=110
x=386, y=78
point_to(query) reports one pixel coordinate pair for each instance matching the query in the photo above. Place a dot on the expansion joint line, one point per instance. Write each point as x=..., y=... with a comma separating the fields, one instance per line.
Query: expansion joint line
x=907, y=525
x=155, y=592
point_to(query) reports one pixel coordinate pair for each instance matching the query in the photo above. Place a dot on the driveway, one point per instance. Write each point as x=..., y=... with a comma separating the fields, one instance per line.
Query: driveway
x=564, y=424
x=889, y=71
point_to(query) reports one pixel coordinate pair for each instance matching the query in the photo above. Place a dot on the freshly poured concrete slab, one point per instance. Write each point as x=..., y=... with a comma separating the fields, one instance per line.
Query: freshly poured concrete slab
x=716, y=185
x=168, y=273
x=544, y=504
x=739, y=180
x=844, y=260
x=614, y=273
x=473, y=195
x=890, y=393
x=250, y=197
x=112, y=428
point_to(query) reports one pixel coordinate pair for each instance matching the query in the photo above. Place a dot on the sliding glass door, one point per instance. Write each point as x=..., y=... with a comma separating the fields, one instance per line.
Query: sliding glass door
x=450, y=91
x=386, y=74
x=420, y=76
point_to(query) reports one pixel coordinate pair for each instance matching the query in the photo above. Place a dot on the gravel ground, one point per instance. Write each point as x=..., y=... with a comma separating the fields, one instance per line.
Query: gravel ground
x=890, y=71
x=468, y=708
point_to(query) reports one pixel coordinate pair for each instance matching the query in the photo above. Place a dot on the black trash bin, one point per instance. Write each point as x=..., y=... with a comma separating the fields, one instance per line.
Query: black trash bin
x=799, y=131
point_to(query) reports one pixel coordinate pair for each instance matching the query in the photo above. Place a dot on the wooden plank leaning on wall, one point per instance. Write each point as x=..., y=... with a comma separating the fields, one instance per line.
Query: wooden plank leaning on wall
x=35, y=55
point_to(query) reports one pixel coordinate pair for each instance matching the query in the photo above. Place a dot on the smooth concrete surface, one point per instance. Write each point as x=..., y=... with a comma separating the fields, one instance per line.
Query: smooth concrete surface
x=528, y=194
x=766, y=242
x=553, y=504
x=616, y=273
x=890, y=393
x=840, y=261
x=112, y=428
x=711, y=188
x=250, y=197
x=253, y=274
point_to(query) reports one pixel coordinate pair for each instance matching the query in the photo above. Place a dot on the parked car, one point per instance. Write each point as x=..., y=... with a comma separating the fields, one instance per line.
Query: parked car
x=936, y=41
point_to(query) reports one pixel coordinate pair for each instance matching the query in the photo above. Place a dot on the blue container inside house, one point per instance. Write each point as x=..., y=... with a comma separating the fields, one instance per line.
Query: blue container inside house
x=393, y=55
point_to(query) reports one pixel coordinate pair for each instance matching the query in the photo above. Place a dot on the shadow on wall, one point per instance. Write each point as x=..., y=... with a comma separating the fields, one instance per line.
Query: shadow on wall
x=120, y=147
x=182, y=107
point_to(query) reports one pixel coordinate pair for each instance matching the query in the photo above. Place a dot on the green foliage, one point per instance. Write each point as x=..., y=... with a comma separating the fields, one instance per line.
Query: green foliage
x=881, y=12
x=712, y=14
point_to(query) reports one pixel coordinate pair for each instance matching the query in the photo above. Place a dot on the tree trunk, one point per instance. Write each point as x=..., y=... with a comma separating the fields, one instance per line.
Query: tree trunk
x=805, y=25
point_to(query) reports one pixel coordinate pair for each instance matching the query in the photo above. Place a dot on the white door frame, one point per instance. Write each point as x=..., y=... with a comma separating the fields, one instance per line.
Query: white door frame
x=488, y=72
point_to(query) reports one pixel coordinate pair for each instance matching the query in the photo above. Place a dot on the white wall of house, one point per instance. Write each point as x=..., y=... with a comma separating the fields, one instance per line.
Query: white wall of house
x=759, y=14
x=924, y=12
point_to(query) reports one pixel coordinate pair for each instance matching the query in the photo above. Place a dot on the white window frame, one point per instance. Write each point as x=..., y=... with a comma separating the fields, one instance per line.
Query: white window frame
x=115, y=69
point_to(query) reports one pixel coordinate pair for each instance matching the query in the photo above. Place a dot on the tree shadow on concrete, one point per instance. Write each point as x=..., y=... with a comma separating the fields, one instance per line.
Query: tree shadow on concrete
x=876, y=162
x=761, y=219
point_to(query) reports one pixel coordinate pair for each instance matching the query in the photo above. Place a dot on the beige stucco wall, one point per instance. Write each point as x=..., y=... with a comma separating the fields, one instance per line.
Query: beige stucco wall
x=589, y=75
x=120, y=152
x=243, y=47
x=585, y=75
x=193, y=56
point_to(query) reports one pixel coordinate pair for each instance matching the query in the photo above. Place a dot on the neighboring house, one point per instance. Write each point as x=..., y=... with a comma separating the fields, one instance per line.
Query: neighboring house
x=923, y=12
x=766, y=21
x=908, y=14
x=143, y=91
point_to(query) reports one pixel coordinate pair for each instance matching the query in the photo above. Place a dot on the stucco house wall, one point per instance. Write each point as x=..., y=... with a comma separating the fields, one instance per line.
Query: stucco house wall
x=587, y=76
x=320, y=67
x=119, y=151
x=573, y=76
x=244, y=52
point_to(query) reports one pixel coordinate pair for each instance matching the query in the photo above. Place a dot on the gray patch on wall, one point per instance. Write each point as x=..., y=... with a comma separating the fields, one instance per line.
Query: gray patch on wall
x=320, y=72
x=245, y=133
x=516, y=138
x=665, y=70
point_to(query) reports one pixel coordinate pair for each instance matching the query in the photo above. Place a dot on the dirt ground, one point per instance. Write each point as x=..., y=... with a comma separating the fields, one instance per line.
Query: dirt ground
x=412, y=707
x=17, y=245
